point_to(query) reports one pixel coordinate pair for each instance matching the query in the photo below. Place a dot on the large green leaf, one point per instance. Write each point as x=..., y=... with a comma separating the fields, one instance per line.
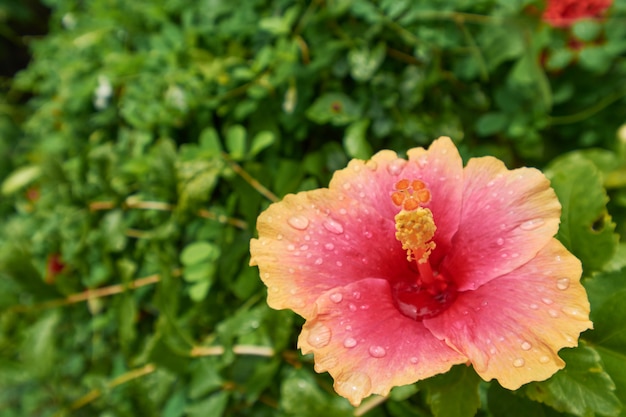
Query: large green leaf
x=582, y=388
x=586, y=226
x=453, y=394
x=607, y=292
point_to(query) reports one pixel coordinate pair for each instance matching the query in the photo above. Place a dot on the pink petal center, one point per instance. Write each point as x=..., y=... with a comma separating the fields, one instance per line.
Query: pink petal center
x=419, y=300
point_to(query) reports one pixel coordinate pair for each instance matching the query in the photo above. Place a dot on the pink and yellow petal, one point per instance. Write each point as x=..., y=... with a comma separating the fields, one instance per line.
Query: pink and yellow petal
x=314, y=241
x=367, y=345
x=512, y=327
x=440, y=167
x=507, y=217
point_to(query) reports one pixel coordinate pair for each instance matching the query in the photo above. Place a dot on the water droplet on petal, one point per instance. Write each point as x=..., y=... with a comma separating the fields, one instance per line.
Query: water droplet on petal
x=500, y=241
x=377, y=351
x=373, y=165
x=333, y=226
x=526, y=345
x=358, y=385
x=356, y=295
x=518, y=363
x=349, y=342
x=279, y=237
x=546, y=301
x=367, y=234
x=319, y=261
x=544, y=359
x=339, y=263
x=319, y=335
x=491, y=183
x=336, y=297
x=562, y=283
x=352, y=307
x=574, y=313
x=533, y=306
x=298, y=222
x=304, y=247
x=329, y=246
x=553, y=313
x=395, y=167
x=531, y=224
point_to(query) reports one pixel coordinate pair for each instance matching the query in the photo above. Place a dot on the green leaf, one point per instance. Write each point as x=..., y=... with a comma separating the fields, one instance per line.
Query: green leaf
x=491, y=123
x=334, y=108
x=559, y=59
x=582, y=388
x=198, y=252
x=20, y=178
x=199, y=290
x=261, y=141
x=175, y=405
x=586, y=227
x=355, y=140
x=236, y=141
x=586, y=30
x=504, y=403
x=596, y=59
x=527, y=73
x=214, y=405
x=205, y=378
x=39, y=350
x=209, y=140
x=453, y=394
x=301, y=396
x=365, y=61
x=607, y=292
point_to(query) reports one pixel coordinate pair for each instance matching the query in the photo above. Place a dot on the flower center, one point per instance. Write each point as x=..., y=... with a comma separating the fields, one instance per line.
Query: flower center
x=432, y=292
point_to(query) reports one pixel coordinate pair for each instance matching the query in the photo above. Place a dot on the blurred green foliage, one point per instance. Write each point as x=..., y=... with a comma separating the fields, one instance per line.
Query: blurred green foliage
x=138, y=143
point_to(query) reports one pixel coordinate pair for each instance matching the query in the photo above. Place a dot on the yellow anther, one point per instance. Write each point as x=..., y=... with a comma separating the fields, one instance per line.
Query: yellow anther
x=415, y=230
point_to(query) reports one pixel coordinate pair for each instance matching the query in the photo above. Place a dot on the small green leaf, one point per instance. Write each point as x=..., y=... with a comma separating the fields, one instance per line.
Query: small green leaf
x=199, y=290
x=20, y=178
x=39, y=350
x=453, y=394
x=209, y=140
x=582, y=388
x=355, y=140
x=202, y=271
x=261, y=141
x=491, y=123
x=596, y=59
x=559, y=59
x=197, y=252
x=527, y=73
x=334, y=108
x=301, y=396
x=586, y=228
x=214, y=405
x=364, y=62
x=236, y=141
x=586, y=30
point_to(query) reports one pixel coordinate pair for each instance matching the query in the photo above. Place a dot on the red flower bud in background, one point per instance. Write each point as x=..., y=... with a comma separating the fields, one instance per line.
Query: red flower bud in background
x=54, y=266
x=564, y=13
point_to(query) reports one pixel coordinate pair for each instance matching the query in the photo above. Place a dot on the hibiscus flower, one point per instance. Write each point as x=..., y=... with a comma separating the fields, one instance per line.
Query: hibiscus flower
x=564, y=13
x=404, y=268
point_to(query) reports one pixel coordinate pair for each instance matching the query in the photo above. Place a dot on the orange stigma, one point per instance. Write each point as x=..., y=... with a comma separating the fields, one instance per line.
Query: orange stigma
x=410, y=194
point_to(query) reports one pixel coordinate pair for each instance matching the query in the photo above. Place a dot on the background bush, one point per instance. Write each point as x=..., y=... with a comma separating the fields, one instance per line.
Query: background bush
x=144, y=138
